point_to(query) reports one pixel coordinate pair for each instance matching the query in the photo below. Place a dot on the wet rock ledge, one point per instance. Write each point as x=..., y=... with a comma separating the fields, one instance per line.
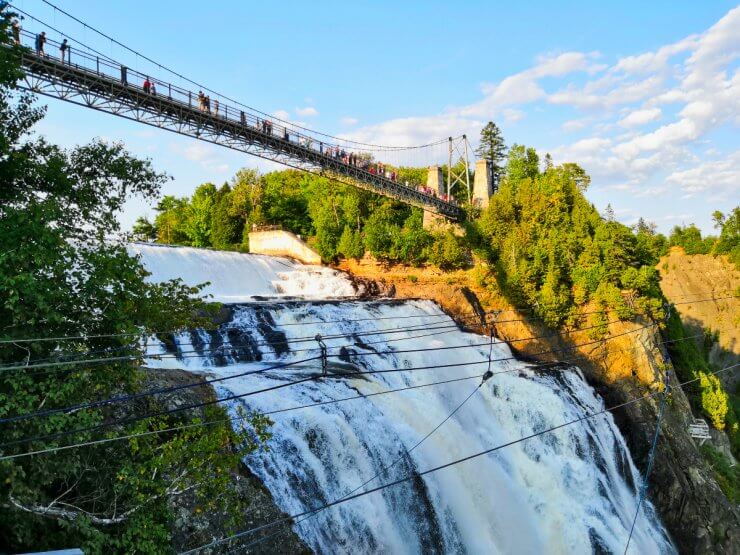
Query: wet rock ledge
x=193, y=527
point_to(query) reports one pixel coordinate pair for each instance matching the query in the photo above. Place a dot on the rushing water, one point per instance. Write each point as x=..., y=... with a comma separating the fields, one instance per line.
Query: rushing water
x=568, y=491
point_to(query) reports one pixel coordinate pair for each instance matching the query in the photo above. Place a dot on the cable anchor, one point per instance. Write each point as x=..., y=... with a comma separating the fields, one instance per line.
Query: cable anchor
x=488, y=373
x=324, y=361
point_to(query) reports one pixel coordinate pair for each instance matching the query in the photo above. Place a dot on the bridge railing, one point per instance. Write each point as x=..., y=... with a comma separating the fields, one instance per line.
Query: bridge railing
x=334, y=154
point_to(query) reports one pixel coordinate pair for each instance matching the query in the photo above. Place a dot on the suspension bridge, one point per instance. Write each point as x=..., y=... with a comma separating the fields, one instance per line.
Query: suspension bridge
x=83, y=76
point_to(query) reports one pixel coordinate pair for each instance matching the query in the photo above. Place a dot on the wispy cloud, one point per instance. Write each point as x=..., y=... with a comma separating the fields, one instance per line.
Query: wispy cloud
x=307, y=112
x=646, y=120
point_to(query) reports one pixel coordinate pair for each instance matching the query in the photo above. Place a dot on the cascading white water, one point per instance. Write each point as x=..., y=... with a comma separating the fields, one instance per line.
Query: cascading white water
x=568, y=491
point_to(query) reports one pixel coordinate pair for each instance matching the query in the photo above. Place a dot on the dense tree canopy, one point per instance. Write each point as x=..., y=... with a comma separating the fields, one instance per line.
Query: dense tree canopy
x=553, y=251
x=61, y=275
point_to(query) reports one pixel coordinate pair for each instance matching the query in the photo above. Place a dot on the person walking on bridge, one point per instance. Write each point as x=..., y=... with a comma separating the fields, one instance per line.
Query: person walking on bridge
x=63, y=49
x=147, y=85
x=40, y=41
x=16, y=32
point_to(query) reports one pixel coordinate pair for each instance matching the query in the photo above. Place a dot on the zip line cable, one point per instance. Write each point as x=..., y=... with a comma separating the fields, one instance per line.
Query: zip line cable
x=485, y=377
x=280, y=532
x=651, y=458
x=216, y=351
x=137, y=418
x=240, y=344
x=535, y=366
x=168, y=355
x=440, y=467
x=319, y=322
x=154, y=333
x=139, y=395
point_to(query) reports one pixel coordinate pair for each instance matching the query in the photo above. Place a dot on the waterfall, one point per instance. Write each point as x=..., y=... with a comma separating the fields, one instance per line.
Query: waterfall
x=573, y=490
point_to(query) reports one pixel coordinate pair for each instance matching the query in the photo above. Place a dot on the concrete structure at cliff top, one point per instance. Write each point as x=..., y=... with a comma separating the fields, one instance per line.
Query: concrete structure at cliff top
x=277, y=242
x=482, y=184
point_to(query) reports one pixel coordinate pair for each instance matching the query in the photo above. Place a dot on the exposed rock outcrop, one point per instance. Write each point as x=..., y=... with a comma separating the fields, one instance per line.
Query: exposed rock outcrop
x=194, y=527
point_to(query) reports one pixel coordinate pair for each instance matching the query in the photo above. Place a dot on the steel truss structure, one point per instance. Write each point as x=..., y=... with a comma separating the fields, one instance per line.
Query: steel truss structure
x=97, y=89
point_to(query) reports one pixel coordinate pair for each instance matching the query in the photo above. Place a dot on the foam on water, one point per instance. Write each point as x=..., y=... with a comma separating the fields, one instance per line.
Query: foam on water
x=238, y=277
x=569, y=491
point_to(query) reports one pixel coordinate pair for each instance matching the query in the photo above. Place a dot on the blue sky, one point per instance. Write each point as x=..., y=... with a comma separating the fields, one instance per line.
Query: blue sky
x=644, y=95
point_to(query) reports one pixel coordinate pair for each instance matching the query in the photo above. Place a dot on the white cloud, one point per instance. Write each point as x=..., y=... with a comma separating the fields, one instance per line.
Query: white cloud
x=689, y=88
x=512, y=114
x=575, y=125
x=281, y=114
x=307, y=112
x=197, y=151
x=640, y=117
x=349, y=121
x=721, y=177
x=205, y=155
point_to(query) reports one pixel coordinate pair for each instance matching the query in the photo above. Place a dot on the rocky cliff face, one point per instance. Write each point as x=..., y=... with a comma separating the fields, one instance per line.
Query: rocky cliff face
x=193, y=527
x=685, y=278
x=682, y=486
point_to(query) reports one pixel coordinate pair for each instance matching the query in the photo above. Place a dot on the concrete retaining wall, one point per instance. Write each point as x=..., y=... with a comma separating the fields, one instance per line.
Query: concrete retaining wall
x=282, y=243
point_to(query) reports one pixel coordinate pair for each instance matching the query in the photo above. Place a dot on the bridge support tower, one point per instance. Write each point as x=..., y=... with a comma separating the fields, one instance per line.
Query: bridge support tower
x=482, y=184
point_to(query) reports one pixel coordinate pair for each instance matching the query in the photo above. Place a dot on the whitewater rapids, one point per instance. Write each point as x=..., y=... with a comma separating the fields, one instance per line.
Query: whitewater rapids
x=573, y=490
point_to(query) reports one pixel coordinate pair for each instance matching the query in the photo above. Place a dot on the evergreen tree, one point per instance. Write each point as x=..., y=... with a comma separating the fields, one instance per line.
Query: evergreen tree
x=493, y=149
x=143, y=230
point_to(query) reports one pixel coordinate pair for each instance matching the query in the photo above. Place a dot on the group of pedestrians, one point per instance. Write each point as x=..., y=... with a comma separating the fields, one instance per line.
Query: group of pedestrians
x=65, y=50
x=204, y=102
x=204, y=105
x=149, y=87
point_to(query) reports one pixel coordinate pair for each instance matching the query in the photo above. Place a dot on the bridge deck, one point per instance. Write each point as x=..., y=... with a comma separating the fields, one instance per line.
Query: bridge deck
x=104, y=85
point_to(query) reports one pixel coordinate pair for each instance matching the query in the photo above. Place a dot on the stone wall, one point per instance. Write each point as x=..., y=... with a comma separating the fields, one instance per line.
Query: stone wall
x=282, y=243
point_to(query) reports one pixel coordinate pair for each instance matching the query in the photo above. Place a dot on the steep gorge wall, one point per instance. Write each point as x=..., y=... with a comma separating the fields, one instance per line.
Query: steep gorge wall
x=701, y=276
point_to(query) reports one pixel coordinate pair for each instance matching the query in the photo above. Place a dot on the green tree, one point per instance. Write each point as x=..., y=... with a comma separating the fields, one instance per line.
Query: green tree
x=350, y=244
x=447, y=252
x=226, y=228
x=381, y=230
x=285, y=197
x=71, y=280
x=729, y=239
x=199, y=215
x=651, y=245
x=170, y=220
x=143, y=230
x=553, y=251
x=523, y=163
x=689, y=238
x=493, y=149
x=411, y=244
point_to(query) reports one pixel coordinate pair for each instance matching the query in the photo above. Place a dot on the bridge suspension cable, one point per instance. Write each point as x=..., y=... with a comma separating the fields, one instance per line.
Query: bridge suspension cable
x=340, y=140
